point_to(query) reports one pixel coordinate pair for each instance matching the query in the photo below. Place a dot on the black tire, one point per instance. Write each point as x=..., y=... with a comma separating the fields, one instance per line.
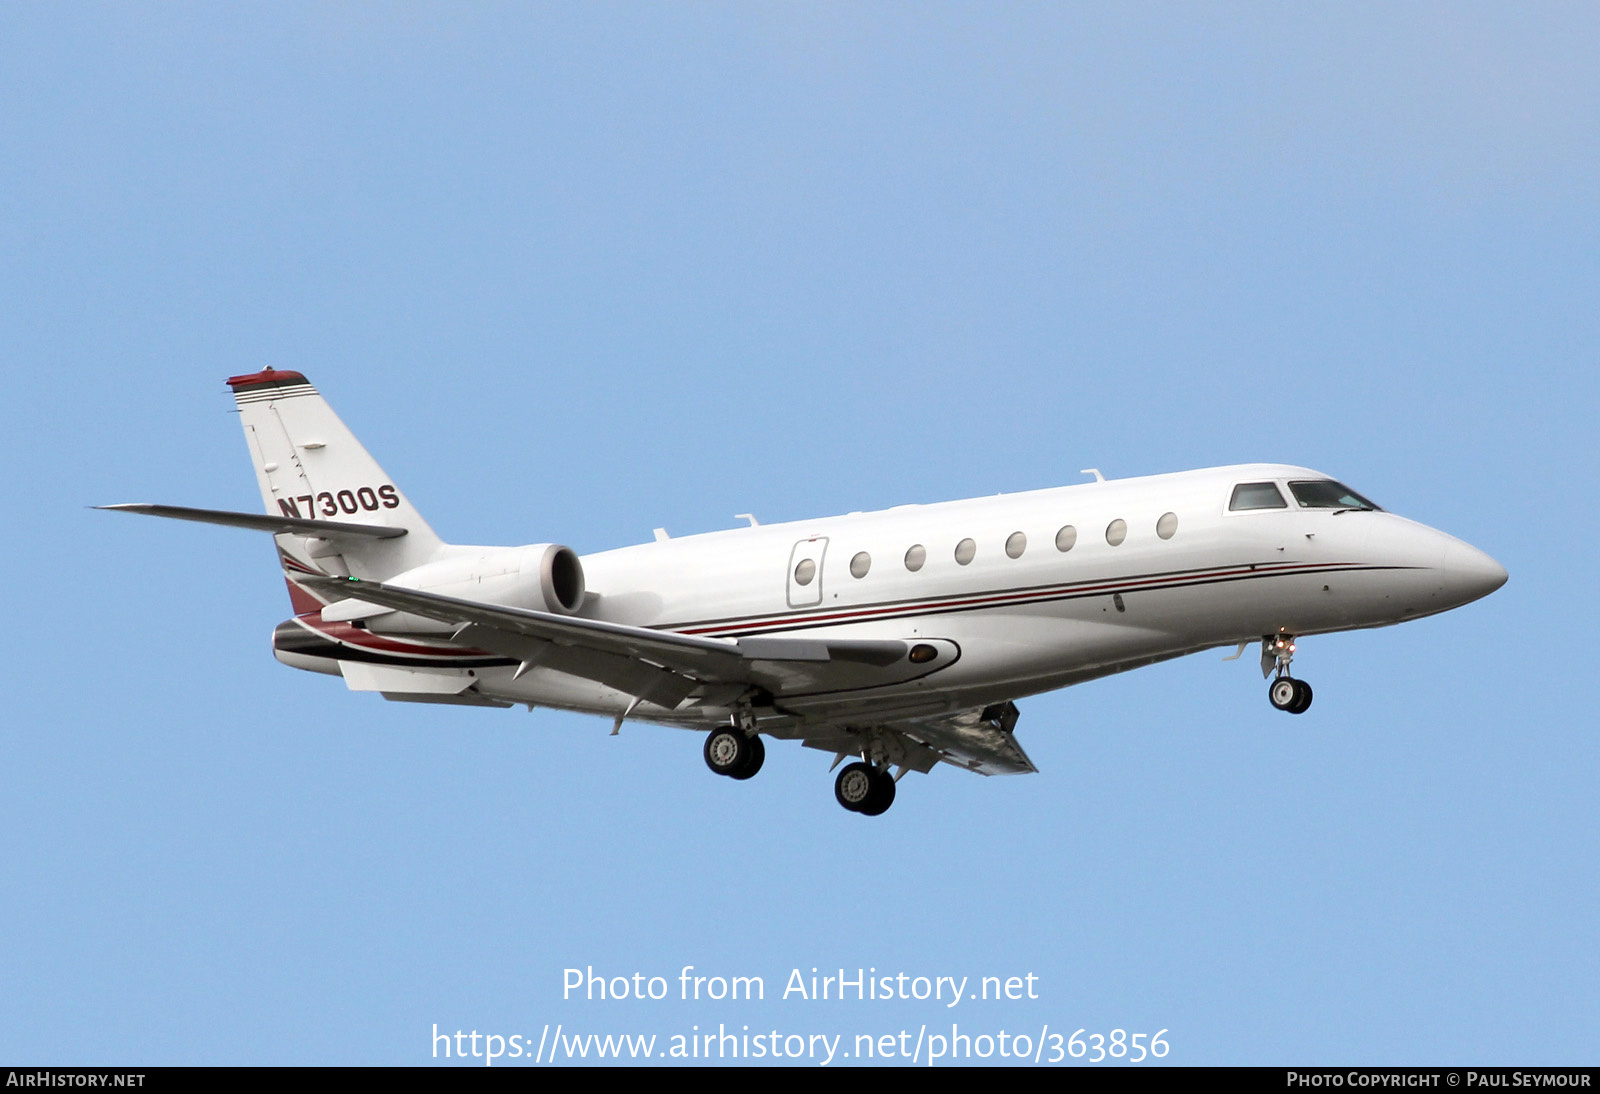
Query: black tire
x=753, y=762
x=855, y=786
x=728, y=751
x=1302, y=702
x=882, y=794
x=1284, y=693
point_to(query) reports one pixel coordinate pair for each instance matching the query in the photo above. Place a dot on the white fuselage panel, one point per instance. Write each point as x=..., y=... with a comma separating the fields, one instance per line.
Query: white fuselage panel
x=1156, y=567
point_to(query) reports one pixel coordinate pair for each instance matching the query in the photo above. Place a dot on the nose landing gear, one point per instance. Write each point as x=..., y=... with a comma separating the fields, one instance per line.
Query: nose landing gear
x=1285, y=692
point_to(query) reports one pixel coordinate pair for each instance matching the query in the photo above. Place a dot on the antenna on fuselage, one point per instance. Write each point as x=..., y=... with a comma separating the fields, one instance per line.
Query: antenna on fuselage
x=1095, y=471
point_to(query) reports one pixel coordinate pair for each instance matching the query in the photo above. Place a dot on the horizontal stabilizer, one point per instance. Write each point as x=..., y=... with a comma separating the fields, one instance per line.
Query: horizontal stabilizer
x=295, y=526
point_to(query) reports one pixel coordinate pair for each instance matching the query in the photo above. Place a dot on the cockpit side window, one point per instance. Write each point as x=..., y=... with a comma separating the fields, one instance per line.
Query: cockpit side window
x=1327, y=494
x=1256, y=495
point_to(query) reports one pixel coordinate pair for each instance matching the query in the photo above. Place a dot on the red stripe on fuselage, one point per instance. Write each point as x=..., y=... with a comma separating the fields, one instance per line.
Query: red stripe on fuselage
x=291, y=563
x=1045, y=593
x=302, y=601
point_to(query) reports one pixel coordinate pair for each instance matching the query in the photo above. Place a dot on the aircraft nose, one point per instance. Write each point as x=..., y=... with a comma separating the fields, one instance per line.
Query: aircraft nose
x=1470, y=574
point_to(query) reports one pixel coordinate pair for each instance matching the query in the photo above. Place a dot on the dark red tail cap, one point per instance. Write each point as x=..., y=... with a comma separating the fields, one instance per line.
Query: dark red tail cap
x=272, y=377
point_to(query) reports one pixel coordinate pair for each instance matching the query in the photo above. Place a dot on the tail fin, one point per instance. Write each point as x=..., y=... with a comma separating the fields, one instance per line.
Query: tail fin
x=310, y=466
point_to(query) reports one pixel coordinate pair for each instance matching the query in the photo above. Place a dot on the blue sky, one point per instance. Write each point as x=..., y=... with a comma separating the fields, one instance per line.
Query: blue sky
x=574, y=272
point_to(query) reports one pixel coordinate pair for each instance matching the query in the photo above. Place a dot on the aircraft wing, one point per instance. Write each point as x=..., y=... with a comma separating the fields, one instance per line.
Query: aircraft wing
x=666, y=668
x=978, y=740
x=661, y=667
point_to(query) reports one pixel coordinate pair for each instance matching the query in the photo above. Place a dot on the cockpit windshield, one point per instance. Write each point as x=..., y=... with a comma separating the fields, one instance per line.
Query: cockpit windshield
x=1327, y=494
x=1256, y=495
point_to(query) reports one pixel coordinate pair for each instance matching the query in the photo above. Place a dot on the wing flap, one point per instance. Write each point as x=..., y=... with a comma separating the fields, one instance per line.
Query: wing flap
x=978, y=740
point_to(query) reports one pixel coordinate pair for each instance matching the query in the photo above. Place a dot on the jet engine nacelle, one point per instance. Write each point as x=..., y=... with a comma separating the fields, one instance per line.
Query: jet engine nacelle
x=544, y=577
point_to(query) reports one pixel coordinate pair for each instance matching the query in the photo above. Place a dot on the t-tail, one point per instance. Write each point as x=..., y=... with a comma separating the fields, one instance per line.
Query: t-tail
x=332, y=508
x=310, y=466
x=335, y=514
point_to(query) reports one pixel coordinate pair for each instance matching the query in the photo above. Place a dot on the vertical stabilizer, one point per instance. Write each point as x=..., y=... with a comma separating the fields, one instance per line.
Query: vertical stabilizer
x=308, y=464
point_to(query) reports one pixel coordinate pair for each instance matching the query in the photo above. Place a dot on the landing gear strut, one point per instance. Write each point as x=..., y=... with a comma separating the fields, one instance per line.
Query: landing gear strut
x=864, y=788
x=732, y=752
x=1285, y=692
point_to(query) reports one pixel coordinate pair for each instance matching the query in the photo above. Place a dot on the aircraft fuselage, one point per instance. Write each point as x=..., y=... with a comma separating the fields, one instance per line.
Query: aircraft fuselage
x=1021, y=615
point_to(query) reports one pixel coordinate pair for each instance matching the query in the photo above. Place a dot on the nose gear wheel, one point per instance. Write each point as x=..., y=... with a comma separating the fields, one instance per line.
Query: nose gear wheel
x=1287, y=693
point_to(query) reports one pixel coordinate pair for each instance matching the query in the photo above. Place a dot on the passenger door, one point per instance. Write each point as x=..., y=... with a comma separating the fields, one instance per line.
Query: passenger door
x=805, y=572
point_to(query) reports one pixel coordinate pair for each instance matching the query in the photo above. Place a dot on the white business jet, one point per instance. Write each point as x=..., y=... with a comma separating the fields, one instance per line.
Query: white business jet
x=900, y=638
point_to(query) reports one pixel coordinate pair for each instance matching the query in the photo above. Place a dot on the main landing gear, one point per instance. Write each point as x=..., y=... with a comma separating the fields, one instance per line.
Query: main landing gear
x=732, y=752
x=1285, y=692
x=864, y=788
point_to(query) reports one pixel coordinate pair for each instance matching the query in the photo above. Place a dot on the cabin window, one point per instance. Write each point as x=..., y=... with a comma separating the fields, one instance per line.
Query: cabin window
x=965, y=550
x=1066, y=538
x=1327, y=494
x=1017, y=544
x=915, y=557
x=1116, y=532
x=860, y=564
x=804, y=572
x=1167, y=526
